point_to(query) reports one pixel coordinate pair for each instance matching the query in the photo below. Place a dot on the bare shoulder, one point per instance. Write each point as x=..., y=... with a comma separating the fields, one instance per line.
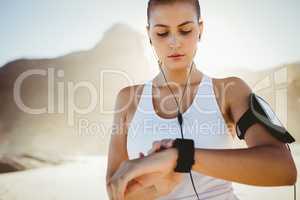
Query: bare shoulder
x=231, y=95
x=235, y=92
x=127, y=94
x=228, y=88
x=235, y=84
x=237, y=95
x=127, y=99
x=231, y=84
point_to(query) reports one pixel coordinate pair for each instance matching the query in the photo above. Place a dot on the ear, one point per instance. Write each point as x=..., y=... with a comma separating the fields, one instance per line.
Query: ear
x=148, y=33
x=200, y=28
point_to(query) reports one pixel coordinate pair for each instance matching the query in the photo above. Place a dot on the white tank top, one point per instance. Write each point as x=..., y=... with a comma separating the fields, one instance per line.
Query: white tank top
x=202, y=121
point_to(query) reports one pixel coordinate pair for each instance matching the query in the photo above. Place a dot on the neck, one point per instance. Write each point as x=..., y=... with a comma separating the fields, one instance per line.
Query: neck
x=178, y=76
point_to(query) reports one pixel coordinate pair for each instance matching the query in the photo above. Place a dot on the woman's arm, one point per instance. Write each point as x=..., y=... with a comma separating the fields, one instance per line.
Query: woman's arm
x=265, y=165
x=117, y=156
x=148, y=193
x=117, y=147
x=266, y=161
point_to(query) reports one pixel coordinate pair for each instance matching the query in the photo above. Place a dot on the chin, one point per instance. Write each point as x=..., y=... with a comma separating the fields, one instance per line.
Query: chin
x=176, y=65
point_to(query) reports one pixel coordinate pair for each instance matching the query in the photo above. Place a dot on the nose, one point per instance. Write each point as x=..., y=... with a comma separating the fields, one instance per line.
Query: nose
x=174, y=42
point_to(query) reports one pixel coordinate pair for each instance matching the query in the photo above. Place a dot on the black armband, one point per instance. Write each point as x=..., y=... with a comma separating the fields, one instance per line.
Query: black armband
x=186, y=153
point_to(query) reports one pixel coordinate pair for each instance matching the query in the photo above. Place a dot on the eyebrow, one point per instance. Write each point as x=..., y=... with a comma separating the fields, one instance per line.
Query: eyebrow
x=163, y=25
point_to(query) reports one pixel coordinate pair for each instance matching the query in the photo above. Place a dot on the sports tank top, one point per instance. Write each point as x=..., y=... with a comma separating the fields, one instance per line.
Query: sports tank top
x=202, y=121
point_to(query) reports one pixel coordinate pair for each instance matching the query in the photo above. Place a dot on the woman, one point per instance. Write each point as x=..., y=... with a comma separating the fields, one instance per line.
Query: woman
x=145, y=120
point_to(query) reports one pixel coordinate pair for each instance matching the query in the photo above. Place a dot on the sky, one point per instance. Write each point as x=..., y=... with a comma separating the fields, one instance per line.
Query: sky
x=238, y=33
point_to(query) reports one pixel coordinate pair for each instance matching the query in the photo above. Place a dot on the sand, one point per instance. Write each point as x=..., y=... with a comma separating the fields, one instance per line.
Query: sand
x=85, y=179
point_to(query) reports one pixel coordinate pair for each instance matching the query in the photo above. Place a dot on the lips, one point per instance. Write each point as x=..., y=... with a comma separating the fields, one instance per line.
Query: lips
x=175, y=55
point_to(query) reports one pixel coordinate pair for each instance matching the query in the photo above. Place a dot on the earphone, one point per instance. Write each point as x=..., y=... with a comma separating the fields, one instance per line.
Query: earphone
x=180, y=119
x=179, y=114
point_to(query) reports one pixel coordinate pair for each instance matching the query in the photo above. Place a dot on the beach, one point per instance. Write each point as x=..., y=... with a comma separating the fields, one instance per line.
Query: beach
x=84, y=178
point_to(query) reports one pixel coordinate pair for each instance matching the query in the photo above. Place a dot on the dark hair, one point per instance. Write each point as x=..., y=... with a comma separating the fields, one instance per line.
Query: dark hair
x=152, y=3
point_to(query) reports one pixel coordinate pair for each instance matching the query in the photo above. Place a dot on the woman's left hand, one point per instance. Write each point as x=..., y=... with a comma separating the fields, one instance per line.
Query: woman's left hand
x=161, y=163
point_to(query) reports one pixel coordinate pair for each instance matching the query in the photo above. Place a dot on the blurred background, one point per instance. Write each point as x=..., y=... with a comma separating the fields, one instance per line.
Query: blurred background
x=63, y=62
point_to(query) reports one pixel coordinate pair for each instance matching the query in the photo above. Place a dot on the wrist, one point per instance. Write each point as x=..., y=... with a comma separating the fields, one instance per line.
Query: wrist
x=186, y=155
x=174, y=153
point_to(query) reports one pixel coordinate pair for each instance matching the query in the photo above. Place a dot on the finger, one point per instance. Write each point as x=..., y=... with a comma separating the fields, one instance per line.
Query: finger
x=155, y=147
x=149, y=179
x=109, y=191
x=133, y=187
x=113, y=191
x=161, y=145
x=167, y=143
x=141, y=155
x=127, y=171
x=116, y=186
x=141, y=183
x=164, y=143
x=145, y=193
x=116, y=189
x=121, y=189
x=119, y=193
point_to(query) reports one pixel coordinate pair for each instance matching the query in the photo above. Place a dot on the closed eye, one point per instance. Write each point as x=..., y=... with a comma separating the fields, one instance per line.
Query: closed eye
x=185, y=32
x=166, y=33
x=162, y=34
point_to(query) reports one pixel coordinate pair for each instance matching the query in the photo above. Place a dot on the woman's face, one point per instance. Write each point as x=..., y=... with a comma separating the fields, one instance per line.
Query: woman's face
x=174, y=29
